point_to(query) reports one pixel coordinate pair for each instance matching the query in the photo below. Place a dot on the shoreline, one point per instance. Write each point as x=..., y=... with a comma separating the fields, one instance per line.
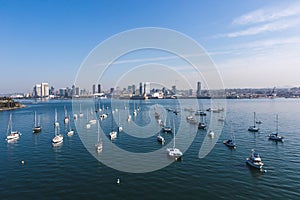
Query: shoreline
x=12, y=108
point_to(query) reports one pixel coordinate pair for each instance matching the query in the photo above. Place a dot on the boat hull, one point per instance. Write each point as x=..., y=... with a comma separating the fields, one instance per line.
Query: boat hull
x=13, y=136
x=251, y=164
x=37, y=129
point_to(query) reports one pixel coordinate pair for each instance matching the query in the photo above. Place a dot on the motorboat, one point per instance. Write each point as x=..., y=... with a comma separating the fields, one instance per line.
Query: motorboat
x=191, y=120
x=254, y=160
x=160, y=139
x=201, y=126
x=200, y=113
x=166, y=129
x=103, y=116
x=113, y=135
x=211, y=134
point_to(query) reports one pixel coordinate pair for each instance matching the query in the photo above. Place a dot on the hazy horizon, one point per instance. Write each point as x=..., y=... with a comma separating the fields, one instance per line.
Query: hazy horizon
x=254, y=44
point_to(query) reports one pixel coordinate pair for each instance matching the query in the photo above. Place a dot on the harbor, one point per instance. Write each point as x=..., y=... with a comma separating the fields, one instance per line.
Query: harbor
x=32, y=160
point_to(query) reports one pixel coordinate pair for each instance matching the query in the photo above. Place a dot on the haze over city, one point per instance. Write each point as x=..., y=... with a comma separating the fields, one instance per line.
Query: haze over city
x=252, y=43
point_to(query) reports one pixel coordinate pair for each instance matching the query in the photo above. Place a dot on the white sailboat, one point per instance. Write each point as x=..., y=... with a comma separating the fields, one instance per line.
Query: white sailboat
x=11, y=135
x=134, y=110
x=231, y=141
x=66, y=119
x=120, y=128
x=92, y=121
x=70, y=131
x=99, y=143
x=275, y=136
x=174, y=152
x=80, y=113
x=58, y=138
x=88, y=125
x=253, y=128
x=36, y=125
x=112, y=134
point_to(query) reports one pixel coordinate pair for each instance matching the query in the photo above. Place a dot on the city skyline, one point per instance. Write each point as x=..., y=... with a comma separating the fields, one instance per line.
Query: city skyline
x=254, y=44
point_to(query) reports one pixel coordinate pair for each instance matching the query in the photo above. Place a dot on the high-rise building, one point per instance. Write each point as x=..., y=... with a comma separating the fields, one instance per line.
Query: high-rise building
x=190, y=92
x=44, y=89
x=41, y=90
x=73, y=90
x=141, y=88
x=174, y=90
x=77, y=91
x=133, y=89
x=146, y=88
x=198, y=89
x=37, y=90
x=94, y=89
x=99, y=88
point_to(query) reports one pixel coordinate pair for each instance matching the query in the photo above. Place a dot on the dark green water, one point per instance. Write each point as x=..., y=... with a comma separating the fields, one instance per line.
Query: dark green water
x=71, y=172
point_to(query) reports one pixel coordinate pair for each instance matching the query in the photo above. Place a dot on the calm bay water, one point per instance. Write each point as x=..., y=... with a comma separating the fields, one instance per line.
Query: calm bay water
x=71, y=172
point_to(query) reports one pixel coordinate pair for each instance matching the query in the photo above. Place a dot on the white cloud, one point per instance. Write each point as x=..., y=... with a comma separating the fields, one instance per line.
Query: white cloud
x=265, y=20
x=268, y=14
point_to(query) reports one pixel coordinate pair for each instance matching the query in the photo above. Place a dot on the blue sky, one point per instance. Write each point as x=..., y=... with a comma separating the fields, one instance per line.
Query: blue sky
x=253, y=43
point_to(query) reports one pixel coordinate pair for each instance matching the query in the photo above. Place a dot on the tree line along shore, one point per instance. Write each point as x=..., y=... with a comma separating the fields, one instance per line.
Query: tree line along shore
x=7, y=103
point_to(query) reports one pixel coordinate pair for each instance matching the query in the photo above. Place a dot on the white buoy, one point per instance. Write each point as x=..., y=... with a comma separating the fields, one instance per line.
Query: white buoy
x=22, y=162
x=118, y=181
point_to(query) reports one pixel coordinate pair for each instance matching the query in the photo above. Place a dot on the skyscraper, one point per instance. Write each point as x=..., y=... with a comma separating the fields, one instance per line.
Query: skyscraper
x=44, y=89
x=41, y=90
x=146, y=88
x=37, y=90
x=141, y=88
x=94, y=89
x=198, y=89
x=99, y=88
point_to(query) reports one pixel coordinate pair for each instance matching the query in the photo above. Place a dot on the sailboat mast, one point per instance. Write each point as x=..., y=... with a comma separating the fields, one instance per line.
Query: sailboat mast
x=69, y=123
x=34, y=119
x=254, y=120
x=174, y=134
x=9, y=125
x=55, y=123
x=98, y=130
x=277, y=124
x=10, y=121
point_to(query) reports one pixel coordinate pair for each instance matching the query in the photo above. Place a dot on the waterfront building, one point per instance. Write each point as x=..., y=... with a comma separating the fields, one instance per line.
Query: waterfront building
x=94, y=89
x=99, y=88
x=198, y=89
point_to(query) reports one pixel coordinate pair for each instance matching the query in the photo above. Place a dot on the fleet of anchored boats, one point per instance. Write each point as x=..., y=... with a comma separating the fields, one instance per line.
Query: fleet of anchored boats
x=254, y=160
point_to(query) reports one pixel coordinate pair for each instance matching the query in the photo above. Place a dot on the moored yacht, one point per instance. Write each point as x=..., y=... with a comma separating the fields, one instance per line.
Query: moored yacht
x=58, y=138
x=160, y=139
x=11, y=135
x=254, y=160
x=275, y=136
x=36, y=125
x=253, y=128
x=174, y=152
